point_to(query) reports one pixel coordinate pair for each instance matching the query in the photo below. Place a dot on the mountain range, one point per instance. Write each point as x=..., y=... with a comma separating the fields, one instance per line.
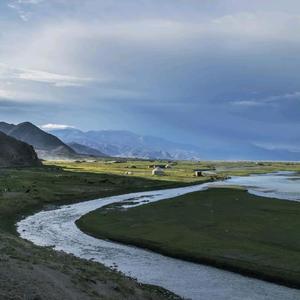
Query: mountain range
x=73, y=143
x=127, y=144
x=45, y=144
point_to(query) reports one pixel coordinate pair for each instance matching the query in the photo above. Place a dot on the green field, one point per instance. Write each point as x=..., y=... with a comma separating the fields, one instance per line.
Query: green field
x=226, y=228
x=181, y=171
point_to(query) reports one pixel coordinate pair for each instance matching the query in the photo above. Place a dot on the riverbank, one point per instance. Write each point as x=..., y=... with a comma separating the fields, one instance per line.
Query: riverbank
x=31, y=272
x=27, y=190
x=226, y=228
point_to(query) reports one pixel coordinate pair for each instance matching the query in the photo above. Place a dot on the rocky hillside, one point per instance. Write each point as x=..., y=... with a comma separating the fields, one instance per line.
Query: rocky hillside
x=15, y=153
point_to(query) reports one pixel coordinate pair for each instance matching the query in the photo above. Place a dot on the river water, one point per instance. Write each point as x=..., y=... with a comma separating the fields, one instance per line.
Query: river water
x=192, y=281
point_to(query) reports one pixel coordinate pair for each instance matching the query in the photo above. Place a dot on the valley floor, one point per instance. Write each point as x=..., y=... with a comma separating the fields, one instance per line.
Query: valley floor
x=30, y=272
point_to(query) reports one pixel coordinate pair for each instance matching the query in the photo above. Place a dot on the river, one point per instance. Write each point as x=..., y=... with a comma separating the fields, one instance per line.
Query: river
x=192, y=281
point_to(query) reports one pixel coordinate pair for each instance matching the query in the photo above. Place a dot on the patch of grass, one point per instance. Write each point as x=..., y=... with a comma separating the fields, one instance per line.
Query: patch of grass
x=226, y=228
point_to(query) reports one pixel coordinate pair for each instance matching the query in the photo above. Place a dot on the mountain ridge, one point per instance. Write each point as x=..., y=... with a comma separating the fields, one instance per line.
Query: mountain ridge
x=43, y=142
x=124, y=143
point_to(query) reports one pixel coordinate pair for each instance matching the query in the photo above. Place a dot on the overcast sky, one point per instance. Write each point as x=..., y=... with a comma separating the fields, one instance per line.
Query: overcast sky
x=224, y=73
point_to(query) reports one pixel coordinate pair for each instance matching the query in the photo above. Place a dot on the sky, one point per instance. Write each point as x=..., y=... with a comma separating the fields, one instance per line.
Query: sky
x=222, y=74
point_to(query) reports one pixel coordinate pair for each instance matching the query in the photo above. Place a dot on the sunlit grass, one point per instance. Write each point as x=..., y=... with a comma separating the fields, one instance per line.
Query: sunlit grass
x=182, y=171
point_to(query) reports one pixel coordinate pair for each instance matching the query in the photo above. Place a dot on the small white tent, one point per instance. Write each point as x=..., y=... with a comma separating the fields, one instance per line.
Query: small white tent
x=158, y=172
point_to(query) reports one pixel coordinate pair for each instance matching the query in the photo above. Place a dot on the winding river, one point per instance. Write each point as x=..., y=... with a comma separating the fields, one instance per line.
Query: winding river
x=192, y=281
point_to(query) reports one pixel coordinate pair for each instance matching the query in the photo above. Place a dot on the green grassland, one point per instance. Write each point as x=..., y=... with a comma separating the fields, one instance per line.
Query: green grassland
x=180, y=171
x=226, y=228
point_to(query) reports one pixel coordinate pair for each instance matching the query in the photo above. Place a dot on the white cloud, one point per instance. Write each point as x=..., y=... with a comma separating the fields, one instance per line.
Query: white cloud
x=267, y=100
x=6, y=94
x=51, y=126
x=283, y=97
x=52, y=78
x=57, y=80
x=247, y=103
x=22, y=7
x=20, y=95
x=29, y=1
x=257, y=26
x=270, y=26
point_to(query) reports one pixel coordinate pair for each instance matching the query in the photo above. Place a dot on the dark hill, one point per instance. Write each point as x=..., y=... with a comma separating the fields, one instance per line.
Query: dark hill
x=14, y=153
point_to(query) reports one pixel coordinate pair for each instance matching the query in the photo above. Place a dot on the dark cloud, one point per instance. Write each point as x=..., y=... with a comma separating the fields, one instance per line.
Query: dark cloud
x=220, y=74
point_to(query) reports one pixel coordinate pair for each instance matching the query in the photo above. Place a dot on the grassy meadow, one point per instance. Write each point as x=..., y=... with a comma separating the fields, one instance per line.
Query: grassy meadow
x=180, y=171
x=226, y=228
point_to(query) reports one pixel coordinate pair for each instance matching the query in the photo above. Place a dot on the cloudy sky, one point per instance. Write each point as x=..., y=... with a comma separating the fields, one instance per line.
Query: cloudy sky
x=223, y=73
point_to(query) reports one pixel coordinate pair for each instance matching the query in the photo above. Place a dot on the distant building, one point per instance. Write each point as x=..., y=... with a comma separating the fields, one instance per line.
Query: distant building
x=204, y=172
x=209, y=173
x=158, y=171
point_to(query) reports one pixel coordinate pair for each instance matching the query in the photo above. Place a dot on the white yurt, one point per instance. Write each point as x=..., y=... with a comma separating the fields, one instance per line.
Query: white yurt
x=158, y=171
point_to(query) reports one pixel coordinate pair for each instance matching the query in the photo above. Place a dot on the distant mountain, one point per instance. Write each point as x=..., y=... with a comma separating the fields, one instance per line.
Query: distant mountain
x=128, y=144
x=81, y=149
x=46, y=144
x=14, y=153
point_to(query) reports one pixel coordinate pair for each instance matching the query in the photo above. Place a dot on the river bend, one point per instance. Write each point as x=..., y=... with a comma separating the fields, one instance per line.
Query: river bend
x=192, y=281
